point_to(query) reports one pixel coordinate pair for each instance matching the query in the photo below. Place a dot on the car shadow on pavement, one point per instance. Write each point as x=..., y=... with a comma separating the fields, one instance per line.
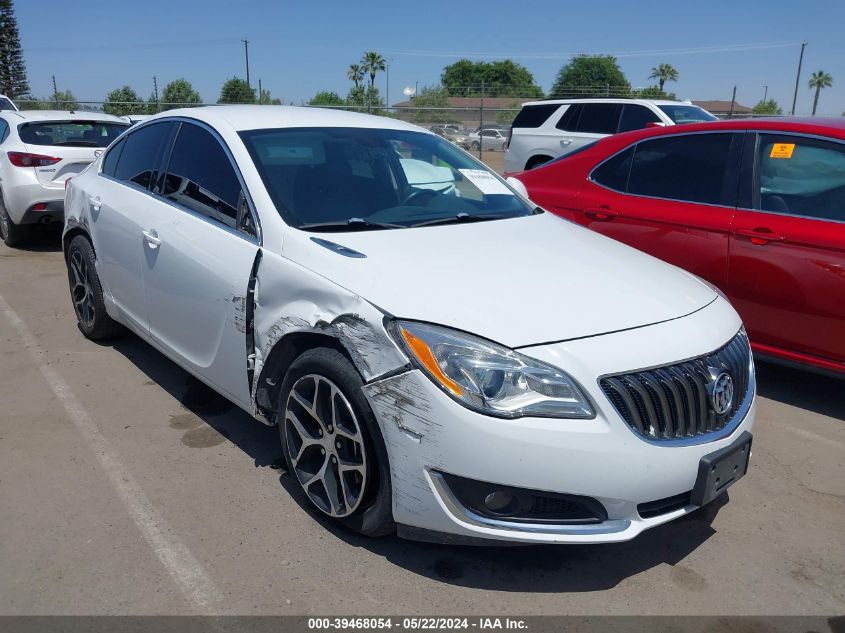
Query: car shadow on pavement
x=801, y=388
x=258, y=440
x=536, y=568
x=43, y=239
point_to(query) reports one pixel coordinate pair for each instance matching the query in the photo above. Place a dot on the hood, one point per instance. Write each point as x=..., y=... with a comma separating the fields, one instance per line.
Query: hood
x=522, y=281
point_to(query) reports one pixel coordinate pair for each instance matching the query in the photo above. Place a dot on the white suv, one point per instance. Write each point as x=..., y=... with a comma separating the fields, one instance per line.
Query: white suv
x=544, y=130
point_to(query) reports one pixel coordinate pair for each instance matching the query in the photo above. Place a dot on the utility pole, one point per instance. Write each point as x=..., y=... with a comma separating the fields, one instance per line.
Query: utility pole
x=798, y=77
x=765, y=93
x=155, y=90
x=387, y=87
x=55, y=92
x=246, y=57
x=481, y=123
x=733, y=102
x=260, y=93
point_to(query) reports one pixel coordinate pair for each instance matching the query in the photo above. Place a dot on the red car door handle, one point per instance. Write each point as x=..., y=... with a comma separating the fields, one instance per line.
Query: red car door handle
x=759, y=237
x=602, y=213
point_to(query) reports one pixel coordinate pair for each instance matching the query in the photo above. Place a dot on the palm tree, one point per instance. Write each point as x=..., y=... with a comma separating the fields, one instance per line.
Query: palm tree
x=355, y=74
x=664, y=73
x=372, y=63
x=819, y=80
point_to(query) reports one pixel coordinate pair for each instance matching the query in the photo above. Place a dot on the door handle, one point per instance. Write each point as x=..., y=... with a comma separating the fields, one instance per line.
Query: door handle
x=152, y=238
x=602, y=213
x=95, y=203
x=760, y=236
x=565, y=142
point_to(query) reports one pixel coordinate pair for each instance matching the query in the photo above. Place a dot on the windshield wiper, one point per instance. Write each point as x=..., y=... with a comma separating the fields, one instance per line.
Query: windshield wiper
x=352, y=224
x=460, y=219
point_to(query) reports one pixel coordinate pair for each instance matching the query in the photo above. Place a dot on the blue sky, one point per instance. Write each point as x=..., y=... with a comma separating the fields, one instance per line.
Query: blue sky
x=298, y=48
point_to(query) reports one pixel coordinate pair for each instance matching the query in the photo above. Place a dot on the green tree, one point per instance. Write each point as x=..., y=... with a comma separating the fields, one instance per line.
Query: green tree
x=770, y=106
x=122, y=101
x=653, y=92
x=178, y=93
x=372, y=63
x=590, y=76
x=13, y=81
x=30, y=102
x=430, y=97
x=64, y=100
x=664, y=73
x=819, y=80
x=501, y=79
x=355, y=74
x=365, y=100
x=327, y=98
x=236, y=90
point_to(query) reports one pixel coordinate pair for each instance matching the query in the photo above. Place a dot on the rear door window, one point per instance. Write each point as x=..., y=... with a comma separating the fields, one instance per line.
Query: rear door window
x=600, y=118
x=4, y=130
x=110, y=160
x=689, y=167
x=201, y=177
x=801, y=176
x=535, y=115
x=142, y=153
x=636, y=117
x=569, y=120
x=70, y=133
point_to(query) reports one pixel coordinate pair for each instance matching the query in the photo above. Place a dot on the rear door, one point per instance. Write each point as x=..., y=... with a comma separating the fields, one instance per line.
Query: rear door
x=120, y=205
x=583, y=123
x=198, y=262
x=76, y=143
x=787, y=263
x=671, y=196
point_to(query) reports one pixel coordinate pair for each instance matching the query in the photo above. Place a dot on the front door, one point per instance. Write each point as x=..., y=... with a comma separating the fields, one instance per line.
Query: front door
x=198, y=263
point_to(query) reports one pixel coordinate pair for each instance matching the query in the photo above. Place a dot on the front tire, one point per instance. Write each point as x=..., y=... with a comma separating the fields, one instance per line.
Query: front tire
x=87, y=293
x=475, y=146
x=332, y=444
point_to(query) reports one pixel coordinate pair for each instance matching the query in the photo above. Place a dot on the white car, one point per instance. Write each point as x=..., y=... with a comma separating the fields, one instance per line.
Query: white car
x=39, y=151
x=544, y=130
x=488, y=139
x=447, y=360
x=7, y=104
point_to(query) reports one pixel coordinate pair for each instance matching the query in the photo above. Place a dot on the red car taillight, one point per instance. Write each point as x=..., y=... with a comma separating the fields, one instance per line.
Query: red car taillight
x=23, y=159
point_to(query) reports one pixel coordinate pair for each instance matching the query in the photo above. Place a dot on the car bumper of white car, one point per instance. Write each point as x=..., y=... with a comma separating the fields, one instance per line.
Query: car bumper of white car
x=24, y=201
x=440, y=452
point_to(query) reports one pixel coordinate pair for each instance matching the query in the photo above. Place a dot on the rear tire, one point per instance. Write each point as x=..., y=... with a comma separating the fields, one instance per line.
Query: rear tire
x=13, y=234
x=475, y=146
x=86, y=293
x=335, y=437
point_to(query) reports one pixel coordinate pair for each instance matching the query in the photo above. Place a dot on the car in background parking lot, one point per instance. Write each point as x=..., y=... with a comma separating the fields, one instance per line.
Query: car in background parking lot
x=39, y=151
x=544, y=130
x=488, y=139
x=7, y=104
x=756, y=207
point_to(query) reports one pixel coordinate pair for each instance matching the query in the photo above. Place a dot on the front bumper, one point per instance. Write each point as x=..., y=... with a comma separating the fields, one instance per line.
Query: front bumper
x=427, y=433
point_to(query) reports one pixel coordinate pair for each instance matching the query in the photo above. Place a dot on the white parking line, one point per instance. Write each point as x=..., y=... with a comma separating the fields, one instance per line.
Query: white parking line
x=181, y=564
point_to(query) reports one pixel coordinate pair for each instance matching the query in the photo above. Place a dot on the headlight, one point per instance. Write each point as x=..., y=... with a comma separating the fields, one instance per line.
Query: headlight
x=491, y=378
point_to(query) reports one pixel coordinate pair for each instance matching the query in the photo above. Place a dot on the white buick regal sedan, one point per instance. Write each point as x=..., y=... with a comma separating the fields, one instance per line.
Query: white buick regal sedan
x=441, y=357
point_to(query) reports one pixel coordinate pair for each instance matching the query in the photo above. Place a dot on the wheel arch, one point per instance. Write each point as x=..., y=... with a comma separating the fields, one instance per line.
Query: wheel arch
x=73, y=231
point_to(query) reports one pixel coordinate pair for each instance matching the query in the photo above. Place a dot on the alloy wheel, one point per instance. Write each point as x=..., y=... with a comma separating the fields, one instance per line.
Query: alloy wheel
x=325, y=445
x=81, y=289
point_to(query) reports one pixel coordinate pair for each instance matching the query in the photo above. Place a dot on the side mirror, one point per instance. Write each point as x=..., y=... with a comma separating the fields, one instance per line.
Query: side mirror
x=518, y=186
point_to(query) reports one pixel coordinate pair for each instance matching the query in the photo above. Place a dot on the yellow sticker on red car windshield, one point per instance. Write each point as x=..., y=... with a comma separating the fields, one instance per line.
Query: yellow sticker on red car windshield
x=782, y=150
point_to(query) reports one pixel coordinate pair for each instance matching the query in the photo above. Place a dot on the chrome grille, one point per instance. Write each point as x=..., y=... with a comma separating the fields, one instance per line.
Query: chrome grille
x=675, y=401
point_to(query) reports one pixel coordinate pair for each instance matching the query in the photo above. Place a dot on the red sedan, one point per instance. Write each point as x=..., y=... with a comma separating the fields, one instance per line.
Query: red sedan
x=756, y=207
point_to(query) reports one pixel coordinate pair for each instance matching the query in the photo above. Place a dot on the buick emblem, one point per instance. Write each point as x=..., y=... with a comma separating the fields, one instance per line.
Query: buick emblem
x=722, y=393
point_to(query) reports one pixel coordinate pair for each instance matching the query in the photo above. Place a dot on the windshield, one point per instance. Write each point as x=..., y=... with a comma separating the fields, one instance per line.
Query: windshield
x=687, y=113
x=71, y=133
x=374, y=178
